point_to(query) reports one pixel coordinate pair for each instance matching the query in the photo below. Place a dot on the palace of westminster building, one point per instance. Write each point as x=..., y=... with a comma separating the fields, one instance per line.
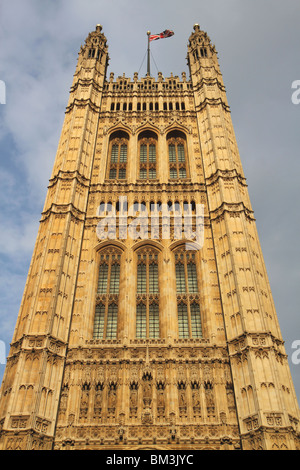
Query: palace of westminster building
x=146, y=338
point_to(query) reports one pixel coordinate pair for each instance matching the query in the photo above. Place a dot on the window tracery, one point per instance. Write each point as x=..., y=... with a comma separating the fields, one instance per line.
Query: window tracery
x=106, y=311
x=177, y=156
x=187, y=293
x=147, y=155
x=118, y=150
x=147, y=295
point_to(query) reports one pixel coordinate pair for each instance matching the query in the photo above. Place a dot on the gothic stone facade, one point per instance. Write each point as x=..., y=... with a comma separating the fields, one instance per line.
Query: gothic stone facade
x=135, y=342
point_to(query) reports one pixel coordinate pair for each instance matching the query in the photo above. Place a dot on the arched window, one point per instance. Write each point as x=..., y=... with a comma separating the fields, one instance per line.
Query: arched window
x=147, y=153
x=106, y=312
x=188, y=305
x=118, y=156
x=177, y=155
x=147, y=294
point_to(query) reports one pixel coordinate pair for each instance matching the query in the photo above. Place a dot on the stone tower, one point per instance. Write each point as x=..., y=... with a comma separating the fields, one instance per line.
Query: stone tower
x=147, y=320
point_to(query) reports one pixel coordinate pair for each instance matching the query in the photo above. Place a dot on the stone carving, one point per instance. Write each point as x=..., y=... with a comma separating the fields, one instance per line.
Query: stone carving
x=160, y=400
x=210, y=400
x=133, y=399
x=112, y=400
x=98, y=403
x=182, y=402
x=196, y=399
x=84, y=403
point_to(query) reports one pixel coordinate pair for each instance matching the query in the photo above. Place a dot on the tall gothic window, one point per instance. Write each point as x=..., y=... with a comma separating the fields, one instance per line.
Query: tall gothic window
x=188, y=304
x=118, y=149
x=177, y=155
x=106, y=312
x=147, y=154
x=147, y=295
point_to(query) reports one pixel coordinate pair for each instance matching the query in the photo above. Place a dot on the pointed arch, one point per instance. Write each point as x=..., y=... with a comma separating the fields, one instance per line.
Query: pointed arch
x=148, y=132
x=148, y=243
x=119, y=127
x=147, y=152
x=108, y=287
x=187, y=292
x=178, y=154
x=185, y=243
x=178, y=127
x=110, y=243
x=118, y=153
x=148, y=291
x=148, y=126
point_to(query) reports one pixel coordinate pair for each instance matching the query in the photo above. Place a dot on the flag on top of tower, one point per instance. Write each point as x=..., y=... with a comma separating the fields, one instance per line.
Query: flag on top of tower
x=165, y=34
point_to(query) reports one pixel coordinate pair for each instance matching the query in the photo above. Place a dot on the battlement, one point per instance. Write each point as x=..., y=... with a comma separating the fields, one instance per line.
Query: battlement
x=148, y=83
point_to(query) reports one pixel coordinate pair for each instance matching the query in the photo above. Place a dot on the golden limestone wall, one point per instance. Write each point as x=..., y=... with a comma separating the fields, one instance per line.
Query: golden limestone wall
x=31, y=387
x=133, y=392
x=229, y=387
x=265, y=397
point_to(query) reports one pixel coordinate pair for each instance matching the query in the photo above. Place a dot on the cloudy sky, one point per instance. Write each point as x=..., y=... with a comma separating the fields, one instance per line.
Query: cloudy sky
x=258, y=47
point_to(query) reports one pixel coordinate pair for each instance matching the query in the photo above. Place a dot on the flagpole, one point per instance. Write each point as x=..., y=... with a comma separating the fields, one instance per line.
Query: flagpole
x=148, y=61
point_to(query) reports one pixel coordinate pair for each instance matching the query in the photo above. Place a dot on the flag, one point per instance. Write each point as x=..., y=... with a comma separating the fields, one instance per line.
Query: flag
x=165, y=34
